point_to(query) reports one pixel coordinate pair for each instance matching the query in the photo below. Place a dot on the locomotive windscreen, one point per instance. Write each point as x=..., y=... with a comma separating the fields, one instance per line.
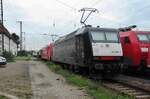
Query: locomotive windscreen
x=144, y=37
x=99, y=36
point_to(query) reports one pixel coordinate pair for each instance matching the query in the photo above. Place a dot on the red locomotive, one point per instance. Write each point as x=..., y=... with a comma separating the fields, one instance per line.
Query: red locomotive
x=46, y=52
x=136, y=49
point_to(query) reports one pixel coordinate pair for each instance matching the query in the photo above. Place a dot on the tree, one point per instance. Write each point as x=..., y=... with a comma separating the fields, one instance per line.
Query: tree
x=15, y=37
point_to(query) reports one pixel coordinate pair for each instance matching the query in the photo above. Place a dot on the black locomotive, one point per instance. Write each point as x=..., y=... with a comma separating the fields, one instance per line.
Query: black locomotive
x=97, y=51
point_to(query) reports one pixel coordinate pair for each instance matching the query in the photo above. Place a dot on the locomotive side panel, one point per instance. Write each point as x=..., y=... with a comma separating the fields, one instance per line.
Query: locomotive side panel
x=64, y=51
x=80, y=51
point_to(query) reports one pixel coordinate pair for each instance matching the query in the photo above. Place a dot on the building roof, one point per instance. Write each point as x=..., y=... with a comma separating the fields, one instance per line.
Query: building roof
x=6, y=32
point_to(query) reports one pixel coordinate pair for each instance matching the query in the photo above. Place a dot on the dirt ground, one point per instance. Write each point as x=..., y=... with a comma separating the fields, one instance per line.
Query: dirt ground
x=48, y=85
x=34, y=80
x=15, y=80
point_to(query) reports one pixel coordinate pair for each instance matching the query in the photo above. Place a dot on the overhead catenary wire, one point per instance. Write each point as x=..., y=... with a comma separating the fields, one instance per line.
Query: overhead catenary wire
x=67, y=5
x=96, y=3
x=121, y=20
x=98, y=15
x=73, y=8
x=70, y=7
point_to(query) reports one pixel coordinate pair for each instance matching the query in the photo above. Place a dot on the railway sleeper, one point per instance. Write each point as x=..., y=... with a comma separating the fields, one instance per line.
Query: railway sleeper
x=117, y=86
x=131, y=92
x=128, y=91
x=121, y=88
x=137, y=93
x=142, y=97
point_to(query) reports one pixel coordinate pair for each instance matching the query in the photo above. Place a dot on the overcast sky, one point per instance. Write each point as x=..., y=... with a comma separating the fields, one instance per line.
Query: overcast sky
x=39, y=16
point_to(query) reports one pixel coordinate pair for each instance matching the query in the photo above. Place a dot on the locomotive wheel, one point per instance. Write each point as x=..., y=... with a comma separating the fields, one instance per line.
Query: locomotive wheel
x=63, y=66
x=83, y=71
x=67, y=67
x=93, y=74
x=78, y=69
x=143, y=68
x=71, y=68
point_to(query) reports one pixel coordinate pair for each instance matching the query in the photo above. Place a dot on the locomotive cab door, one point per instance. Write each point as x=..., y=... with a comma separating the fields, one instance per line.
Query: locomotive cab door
x=128, y=50
x=79, y=50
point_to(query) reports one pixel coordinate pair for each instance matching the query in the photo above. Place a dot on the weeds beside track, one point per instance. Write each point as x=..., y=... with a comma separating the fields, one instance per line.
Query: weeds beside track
x=91, y=87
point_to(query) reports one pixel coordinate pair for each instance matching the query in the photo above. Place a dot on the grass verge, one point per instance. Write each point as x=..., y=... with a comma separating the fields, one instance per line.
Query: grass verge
x=2, y=97
x=26, y=58
x=92, y=88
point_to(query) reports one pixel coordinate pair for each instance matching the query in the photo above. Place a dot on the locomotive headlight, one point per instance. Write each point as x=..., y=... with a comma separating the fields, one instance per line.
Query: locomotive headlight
x=144, y=49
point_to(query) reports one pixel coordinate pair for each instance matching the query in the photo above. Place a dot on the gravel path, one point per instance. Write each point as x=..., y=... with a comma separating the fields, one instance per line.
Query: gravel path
x=34, y=80
x=15, y=80
x=48, y=85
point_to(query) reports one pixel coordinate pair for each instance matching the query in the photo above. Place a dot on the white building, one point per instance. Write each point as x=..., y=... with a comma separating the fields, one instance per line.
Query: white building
x=7, y=43
x=13, y=47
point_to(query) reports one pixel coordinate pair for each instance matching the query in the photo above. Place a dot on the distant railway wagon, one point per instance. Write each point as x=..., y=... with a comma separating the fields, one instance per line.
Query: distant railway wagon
x=46, y=52
x=97, y=50
x=136, y=49
x=39, y=53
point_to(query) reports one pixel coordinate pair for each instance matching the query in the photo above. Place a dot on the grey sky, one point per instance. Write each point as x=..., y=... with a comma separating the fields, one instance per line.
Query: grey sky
x=38, y=16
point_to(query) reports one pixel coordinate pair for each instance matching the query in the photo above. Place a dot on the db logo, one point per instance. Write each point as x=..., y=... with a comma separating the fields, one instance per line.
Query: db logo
x=107, y=45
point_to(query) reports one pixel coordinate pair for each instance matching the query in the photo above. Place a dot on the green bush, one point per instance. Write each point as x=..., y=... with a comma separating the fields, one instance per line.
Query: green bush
x=9, y=56
x=22, y=53
x=2, y=97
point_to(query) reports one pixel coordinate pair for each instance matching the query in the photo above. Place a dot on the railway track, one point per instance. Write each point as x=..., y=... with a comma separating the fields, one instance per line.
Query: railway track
x=131, y=86
x=127, y=90
x=127, y=85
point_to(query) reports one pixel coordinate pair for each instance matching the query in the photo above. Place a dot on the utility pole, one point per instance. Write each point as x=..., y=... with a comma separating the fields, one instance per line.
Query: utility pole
x=53, y=35
x=20, y=22
x=2, y=12
x=24, y=40
x=1, y=22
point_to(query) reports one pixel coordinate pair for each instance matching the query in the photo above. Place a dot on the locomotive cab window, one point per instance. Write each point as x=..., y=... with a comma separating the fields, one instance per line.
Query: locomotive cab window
x=143, y=37
x=112, y=36
x=99, y=36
